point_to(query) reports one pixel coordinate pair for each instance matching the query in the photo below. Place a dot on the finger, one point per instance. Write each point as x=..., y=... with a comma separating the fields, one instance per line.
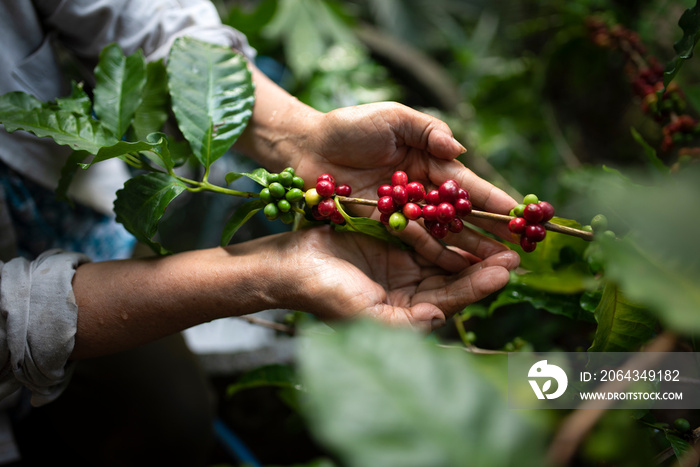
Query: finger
x=455, y=296
x=508, y=260
x=480, y=245
x=422, y=131
x=432, y=249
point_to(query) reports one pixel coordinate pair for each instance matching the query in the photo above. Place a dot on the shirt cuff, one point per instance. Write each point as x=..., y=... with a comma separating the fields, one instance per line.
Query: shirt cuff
x=38, y=322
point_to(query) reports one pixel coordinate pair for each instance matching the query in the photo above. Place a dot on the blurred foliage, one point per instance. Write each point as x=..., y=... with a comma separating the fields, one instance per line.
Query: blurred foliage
x=543, y=109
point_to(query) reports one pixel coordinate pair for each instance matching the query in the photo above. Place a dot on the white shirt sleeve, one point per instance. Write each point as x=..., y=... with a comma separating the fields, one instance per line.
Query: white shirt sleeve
x=87, y=26
x=38, y=322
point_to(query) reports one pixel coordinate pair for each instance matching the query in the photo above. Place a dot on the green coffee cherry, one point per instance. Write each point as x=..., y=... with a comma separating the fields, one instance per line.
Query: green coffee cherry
x=298, y=182
x=518, y=210
x=265, y=195
x=277, y=190
x=289, y=170
x=283, y=205
x=273, y=178
x=682, y=425
x=397, y=221
x=287, y=217
x=599, y=223
x=293, y=195
x=271, y=211
x=530, y=199
x=285, y=178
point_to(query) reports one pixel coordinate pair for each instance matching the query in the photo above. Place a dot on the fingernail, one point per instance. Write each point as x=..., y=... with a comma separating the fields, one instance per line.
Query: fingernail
x=461, y=147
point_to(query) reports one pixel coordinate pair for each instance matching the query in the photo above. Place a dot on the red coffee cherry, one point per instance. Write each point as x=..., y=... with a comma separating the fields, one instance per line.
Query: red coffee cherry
x=535, y=232
x=533, y=213
x=463, y=207
x=325, y=188
x=445, y=213
x=517, y=225
x=326, y=207
x=386, y=205
x=326, y=177
x=527, y=245
x=384, y=218
x=462, y=193
x=439, y=230
x=456, y=226
x=448, y=191
x=336, y=217
x=399, y=195
x=433, y=197
x=412, y=211
x=399, y=178
x=416, y=191
x=343, y=190
x=430, y=212
x=384, y=190
x=547, y=211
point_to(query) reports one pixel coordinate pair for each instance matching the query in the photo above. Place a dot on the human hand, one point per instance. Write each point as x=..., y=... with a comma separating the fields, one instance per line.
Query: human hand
x=363, y=146
x=337, y=276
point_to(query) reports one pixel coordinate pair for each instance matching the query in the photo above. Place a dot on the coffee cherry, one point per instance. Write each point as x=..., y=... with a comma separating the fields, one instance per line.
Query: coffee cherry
x=399, y=178
x=298, y=182
x=412, y=211
x=343, y=190
x=527, y=245
x=533, y=213
x=285, y=178
x=287, y=217
x=682, y=425
x=272, y=178
x=430, y=212
x=399, y=195
x=384, y=190
x=385, y=205
x=462, y=194
x=530, y=199
x=265, y=195
x=448, y=191
x=384, y=218
x=463, y=207
x=433, y=197
x=517, y=225
x=599, y=223
x=312, y=198
x=283, y=205
x=290, y=170
x=325, y=188
x=445, y=213
x=326, y=207
x=326, y=177
x=535, y=232
x=456, y=226
x=439, y=230
x=398, y=221
x=415, y=191
x=336, y=217
x=547, y=211
x=518, y=210
x=271, y=211
x=276, y=190
x=294, y=195
x=316, y=215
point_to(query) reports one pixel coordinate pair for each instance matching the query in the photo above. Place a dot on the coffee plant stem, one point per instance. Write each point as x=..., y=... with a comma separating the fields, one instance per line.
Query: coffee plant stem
x=488, y=215
x=205, y=185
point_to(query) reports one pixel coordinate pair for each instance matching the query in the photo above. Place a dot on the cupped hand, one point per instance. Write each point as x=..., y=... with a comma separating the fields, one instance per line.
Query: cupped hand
x=364, y=145
x=337, y=276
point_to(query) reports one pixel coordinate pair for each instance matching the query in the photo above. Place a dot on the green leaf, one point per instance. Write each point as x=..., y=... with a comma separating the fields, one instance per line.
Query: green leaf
x=274, y=375
x=385, y=396
x=240, y=217
x=366, y=226
x=78, y=102
x=212, y=96
x=259, y=175
x=679, y=445
x=568, y=305
x=68, y=171
x=21, y=111
x=152, y=113
x=142, y=202
x=118, y=87
x=547, y=257
x=622, y=325
x=650, y=152
x=690, y=24
x=121, y=148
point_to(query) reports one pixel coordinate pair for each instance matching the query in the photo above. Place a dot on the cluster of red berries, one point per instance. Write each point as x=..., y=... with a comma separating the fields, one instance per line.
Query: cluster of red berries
x=321, y=201
x=529, y=220
x=399, y=202
x=680, y=129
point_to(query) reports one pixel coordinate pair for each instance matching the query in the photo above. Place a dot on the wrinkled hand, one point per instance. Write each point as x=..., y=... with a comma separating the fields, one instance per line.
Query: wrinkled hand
x=337, y=276
x=363, y=145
